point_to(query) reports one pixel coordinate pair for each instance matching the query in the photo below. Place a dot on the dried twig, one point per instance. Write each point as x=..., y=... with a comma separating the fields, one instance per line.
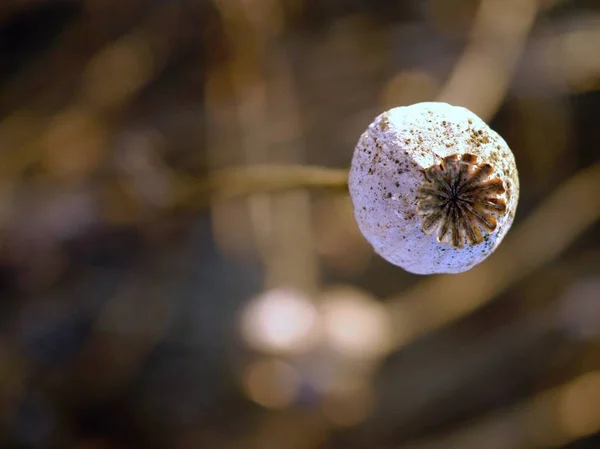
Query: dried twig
x=482, y=75
x=232, y=183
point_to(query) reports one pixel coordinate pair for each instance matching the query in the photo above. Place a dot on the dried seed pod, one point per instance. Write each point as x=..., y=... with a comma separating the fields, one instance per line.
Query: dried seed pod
x=434, y=189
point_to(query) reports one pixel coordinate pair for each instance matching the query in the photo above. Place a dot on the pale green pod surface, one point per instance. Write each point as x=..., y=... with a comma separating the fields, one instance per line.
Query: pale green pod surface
x=434, y=189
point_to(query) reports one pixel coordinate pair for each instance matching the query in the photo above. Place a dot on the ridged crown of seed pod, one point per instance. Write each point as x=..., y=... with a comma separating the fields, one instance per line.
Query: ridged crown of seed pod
x=434, y=189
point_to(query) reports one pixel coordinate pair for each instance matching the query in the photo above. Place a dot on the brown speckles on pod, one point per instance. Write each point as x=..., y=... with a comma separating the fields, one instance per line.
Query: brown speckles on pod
x=384, y=122
x=460, y=201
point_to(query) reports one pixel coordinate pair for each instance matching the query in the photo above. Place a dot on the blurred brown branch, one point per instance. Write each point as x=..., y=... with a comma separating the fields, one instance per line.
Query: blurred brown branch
x=483, y=73
x=232, y=183
x=565, y=413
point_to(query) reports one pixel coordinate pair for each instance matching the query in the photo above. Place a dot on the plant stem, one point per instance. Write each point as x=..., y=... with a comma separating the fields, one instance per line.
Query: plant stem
x=233, y=183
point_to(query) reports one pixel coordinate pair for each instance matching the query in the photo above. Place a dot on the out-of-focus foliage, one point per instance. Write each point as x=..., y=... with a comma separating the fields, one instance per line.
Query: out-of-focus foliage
x=133, y=319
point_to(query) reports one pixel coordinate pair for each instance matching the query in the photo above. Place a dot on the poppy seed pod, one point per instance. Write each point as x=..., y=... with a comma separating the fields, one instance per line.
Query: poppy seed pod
x=434, y=189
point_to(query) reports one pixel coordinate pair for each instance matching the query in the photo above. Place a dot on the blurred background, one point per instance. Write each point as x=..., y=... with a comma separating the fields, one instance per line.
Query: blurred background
x=152, y=298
